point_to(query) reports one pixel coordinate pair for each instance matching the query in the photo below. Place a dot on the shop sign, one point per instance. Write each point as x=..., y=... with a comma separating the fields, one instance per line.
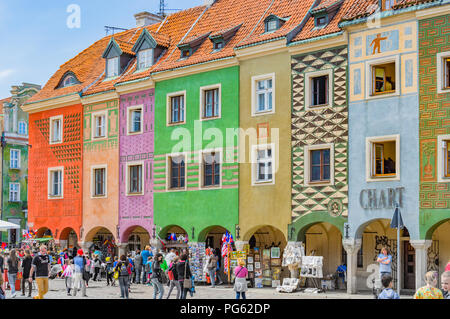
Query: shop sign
x=380, y=199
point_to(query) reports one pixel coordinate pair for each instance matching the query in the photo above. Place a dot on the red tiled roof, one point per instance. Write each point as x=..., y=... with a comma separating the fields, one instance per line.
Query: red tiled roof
x=194, y=38
x=224, y=31
x=161, y=39
x=325, y=4
x=407, y=3
x=125, y=47
x=8, y=99
x=310, y=31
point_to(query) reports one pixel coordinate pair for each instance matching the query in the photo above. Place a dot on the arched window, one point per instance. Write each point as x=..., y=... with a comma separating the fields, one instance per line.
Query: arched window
x=134, y=243
x=69, y=80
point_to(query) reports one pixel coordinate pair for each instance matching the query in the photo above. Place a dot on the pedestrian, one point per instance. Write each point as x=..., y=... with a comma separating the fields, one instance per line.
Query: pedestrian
x=429, y=291
x=97, y=266
x=184, y=275
x=385, y=261
x=13, y=269
x=148, y=270
x=170, y=256
x=124, y=269
x=447, y=268
x=88, y=269
x=145, y=255
x=131, y=262
x=2, y=263
x=109, y=272
x=240, y=282
x=26, y=267
x=116, y=261
x=41, y=266
x=2, y=292
x=80, y=274
x=138, y=266
x=173, y=277
x=68, y=275
x=445, y=283
x=156, y=278
x=211, y=267
x=388, y=292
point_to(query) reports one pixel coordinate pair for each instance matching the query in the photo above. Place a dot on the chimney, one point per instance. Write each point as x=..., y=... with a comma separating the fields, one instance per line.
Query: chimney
x=146, y=18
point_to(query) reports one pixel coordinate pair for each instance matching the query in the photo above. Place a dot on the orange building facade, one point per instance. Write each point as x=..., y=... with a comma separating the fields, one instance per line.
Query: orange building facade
x=55, y=173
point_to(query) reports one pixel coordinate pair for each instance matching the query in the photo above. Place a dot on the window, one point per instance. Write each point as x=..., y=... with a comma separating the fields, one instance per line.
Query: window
x=22, y=128
x=56, y=129
x=443, y=72
x=263, y=88
x=218, y=45
x=14, y=192
x=56, y=182
x=69, y=80
x=185, y=53
x=383, y=78
x=99, y=181
x=264, y=167
x=271, y=25
x=388, y=4
x=112, y=67
x=210, y=102
x=383, y=158
x=145, y=58
x=100, y=126
x=321, y=21
x=447, y=159
x=135, y=179
x=211, y=169
x=319, y=94
x=320, y=165
x=176, y=109
x=135, y=120
x=443, y=158
x=177, y=172
x=359, y=256
x=14, y=160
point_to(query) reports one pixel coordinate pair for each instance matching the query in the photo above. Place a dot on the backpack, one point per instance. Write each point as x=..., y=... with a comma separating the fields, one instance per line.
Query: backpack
x=123, y=270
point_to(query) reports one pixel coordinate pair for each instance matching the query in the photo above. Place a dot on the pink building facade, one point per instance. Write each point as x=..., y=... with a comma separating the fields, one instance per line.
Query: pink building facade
x=136, y=168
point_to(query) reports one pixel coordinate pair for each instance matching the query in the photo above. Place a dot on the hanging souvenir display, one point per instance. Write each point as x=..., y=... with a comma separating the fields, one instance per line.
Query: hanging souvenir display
x=197, y=254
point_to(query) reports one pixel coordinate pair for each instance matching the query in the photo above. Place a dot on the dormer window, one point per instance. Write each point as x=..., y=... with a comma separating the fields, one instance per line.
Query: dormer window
x=69, y=80
x=191, y=44
x=145, y=59
x=185, y=53
x=222, y=37
x=219, y=45
x=388, y=4
x=321, y=21
x=112, y=67
x=271, y=25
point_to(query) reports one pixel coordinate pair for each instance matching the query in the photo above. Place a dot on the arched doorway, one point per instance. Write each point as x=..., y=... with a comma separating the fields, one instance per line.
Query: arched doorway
x=44, y=232
x=138, y=238
x=100, y=239
x=68, y=239
x=174, y=237
x=439, y=251
x=375, y=235
x=265, y=246
x=212, y=236
x=325, y=239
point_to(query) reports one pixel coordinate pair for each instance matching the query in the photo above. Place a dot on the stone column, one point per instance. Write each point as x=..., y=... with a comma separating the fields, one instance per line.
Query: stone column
x=240, y=244
x=352, y=247
x=85, y=246
x=122, y=249
x=421, y=246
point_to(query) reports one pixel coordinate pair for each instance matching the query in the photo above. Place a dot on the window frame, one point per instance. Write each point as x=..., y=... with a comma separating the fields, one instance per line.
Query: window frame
x=202, y=168
x=307, y=149
x=18, y=192
x=169, y=108
x=383, y=5
x=254, y=156
x=130, y=109
x=61, y=128
x=203, y=91
x=442, y=72
x=139, y=68
x=117, y=65
x=93, y=181
x=127, y=179
x=50, y=182
x=25, y=126
x=370, y=141
x=255, y=80
x=169, y=172
x=370, y=77
x=18, y=158
x=309, y=89
x=94, y=124
x=267, y=23
x=442, y=158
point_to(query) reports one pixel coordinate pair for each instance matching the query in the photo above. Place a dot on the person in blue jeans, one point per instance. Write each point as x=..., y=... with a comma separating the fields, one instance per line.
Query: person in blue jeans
x=240, y=284
x=385, y=261
x=146, y=253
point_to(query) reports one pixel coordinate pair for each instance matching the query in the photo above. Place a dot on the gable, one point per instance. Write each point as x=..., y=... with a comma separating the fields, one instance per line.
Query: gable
x=112, y=50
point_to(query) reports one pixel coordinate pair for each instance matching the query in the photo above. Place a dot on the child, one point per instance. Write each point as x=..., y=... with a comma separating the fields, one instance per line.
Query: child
x=68, y=275
x=148, y=269
x=109, y=272
x=388, y=292
x=116, y=261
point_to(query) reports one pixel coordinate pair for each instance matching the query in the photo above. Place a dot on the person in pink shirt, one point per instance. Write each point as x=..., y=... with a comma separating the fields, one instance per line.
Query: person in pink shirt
x=447, y=268
x=240, y=282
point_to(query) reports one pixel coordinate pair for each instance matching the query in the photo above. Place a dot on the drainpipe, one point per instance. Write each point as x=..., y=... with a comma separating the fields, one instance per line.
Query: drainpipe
x=2, y=145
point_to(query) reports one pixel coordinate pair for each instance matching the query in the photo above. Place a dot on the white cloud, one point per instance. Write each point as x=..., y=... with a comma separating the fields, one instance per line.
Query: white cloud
x=5, y=73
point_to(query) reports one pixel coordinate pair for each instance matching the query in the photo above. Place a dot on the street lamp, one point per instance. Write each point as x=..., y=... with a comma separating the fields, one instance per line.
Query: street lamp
x=154, y=232
x=193, y=233
x=238, y=236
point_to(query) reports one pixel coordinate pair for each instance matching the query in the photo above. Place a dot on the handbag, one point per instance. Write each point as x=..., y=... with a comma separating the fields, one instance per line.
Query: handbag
x=187, y=283
x=116, y=275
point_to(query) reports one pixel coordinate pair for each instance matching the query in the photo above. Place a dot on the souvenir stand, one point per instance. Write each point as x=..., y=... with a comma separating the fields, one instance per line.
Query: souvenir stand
x=292, y=258
x=197, y=259
x=235, y=256
x=311, y=268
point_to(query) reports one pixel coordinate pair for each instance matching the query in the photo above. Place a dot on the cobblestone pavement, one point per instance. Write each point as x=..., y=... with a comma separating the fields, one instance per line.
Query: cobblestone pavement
x=99, y=290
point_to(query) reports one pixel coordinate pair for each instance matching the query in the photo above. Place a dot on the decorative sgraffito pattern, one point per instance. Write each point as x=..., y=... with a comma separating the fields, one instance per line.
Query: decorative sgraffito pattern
x=321, y=126
x=434, y=111
x=230, y=172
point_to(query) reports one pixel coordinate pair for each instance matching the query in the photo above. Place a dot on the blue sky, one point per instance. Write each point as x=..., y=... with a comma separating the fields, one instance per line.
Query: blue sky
x=35, y=38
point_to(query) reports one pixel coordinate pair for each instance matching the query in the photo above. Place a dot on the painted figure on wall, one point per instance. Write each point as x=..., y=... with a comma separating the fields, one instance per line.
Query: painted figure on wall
x=377, y=43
